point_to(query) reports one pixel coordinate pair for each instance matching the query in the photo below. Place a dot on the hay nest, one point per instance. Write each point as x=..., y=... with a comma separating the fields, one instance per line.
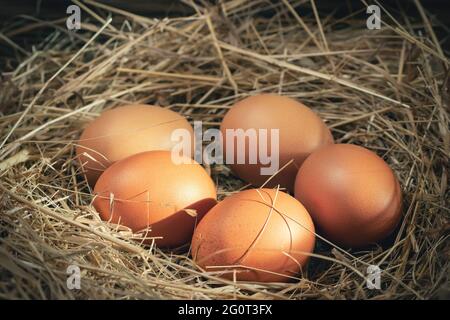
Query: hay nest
x=384, y=89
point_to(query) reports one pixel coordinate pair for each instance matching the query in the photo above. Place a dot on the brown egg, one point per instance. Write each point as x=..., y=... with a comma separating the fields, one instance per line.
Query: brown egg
x=301, y=132
x=124, y=131
x=149, y=190
x=351, y=193
x=263, y=234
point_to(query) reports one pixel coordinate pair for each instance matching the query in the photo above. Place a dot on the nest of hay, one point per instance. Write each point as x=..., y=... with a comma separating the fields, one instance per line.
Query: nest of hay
x=385, y=89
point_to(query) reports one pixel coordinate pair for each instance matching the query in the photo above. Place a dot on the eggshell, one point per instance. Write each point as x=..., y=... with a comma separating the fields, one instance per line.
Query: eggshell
x=352, y=194
x=149, y=190
x=263, y=234
x=124, y=131
x=301, y=132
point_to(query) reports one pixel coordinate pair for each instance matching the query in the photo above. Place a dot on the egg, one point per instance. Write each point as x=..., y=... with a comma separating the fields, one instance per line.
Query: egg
x=262, y=235
x=150, y=191
x=352, y=195
x=300, y=132
x=124, y=131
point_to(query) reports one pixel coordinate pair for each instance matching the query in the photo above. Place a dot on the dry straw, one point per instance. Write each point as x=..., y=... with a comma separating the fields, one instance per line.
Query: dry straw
x=385, y=89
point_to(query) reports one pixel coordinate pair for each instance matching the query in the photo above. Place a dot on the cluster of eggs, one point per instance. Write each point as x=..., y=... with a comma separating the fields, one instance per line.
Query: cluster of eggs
x=263, y=234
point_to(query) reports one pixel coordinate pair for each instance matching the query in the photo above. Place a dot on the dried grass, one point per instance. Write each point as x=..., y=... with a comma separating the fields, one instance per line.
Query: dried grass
x=385, y=89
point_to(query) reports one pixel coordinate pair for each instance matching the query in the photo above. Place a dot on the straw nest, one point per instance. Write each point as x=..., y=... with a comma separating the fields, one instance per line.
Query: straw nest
x=384, y=89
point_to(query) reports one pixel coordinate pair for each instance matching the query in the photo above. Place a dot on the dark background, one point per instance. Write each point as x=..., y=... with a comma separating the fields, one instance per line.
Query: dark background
x=51, y=10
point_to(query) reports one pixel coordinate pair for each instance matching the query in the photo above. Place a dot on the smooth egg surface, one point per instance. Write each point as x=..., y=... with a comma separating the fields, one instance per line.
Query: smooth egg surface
x=262, y=235
x=124, y=131
x=148, y=191
x=352, y=195
x=300, y=133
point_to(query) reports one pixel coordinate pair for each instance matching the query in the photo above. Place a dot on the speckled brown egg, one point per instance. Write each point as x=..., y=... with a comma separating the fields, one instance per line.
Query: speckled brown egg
x=124, y=131
x=255, y=235
x=301, y=132
x=352, y=195
x=148, y=191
